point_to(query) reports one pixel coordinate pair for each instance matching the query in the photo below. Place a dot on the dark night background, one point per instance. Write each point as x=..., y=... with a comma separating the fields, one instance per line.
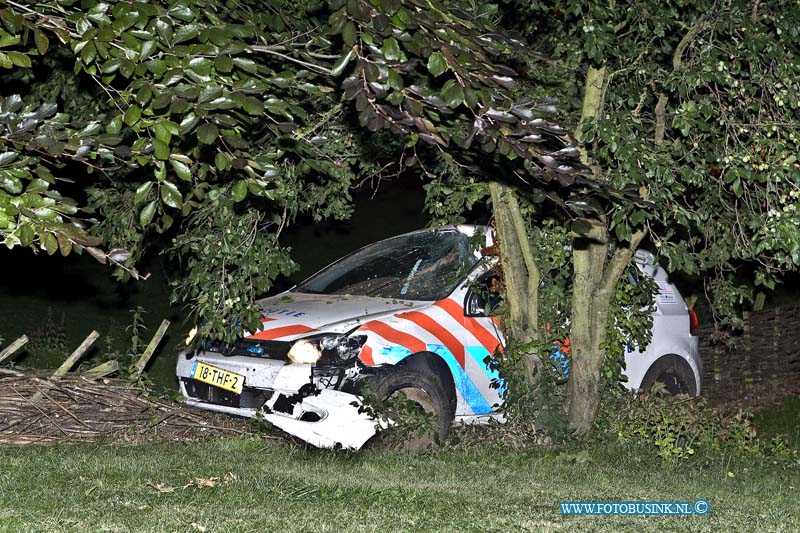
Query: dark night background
x=53, y=297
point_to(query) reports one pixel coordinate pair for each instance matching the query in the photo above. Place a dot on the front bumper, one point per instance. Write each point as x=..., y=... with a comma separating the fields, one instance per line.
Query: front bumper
x=293, y=397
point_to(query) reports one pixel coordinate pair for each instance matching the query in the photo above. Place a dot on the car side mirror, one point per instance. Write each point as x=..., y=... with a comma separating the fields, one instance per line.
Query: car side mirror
x=475, y=305
x=481, y=300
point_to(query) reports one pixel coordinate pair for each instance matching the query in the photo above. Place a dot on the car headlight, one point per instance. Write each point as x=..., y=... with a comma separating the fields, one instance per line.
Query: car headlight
x=190, y=337
x=327, y=349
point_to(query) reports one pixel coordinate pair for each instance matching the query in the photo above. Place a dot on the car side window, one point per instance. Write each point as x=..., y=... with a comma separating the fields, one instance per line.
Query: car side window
x=483, y=297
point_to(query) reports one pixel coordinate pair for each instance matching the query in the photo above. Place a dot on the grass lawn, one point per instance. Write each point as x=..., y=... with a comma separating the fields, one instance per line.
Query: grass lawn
x=284, y=488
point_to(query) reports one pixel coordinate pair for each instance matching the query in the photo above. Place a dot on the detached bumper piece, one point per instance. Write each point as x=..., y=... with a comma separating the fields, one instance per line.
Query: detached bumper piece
x=329, y=419
x=325, y=418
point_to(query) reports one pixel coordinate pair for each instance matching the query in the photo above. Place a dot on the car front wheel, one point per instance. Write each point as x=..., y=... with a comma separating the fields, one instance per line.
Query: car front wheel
x=426, y=395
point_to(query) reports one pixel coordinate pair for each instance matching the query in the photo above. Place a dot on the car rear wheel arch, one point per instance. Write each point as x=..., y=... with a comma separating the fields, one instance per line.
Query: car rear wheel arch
x=675, y=372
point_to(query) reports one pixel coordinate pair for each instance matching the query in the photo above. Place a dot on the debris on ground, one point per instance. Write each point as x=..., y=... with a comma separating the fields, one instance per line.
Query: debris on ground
x=198, y=482
x=36, y=410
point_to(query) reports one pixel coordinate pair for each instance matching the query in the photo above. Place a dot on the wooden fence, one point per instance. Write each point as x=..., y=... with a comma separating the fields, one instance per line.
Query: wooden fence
x=766, y=354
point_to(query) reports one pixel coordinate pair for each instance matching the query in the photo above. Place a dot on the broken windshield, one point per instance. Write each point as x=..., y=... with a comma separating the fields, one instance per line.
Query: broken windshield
x=425, y=265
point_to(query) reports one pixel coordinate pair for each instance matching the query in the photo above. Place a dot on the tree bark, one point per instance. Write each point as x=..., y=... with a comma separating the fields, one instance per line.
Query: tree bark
x=593, y=95
x=520, y=271
x=595, y=280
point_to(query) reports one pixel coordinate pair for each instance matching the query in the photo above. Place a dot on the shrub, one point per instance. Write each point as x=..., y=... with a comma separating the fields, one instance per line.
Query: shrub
x=677, y=427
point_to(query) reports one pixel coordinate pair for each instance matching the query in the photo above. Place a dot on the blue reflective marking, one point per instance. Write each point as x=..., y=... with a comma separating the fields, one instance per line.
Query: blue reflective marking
x=255, y=349
x=465, y=386
x=479, y=354
x=395, y=354
x=194, y=368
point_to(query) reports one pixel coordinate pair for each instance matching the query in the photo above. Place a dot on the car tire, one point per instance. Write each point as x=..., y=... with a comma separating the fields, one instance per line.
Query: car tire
x=674, y=372
x=426, y=390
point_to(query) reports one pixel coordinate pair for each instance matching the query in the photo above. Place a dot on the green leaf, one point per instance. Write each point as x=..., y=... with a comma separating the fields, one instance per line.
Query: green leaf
x=395, y=80
x=161, y=171
x=581, y=226
x=50, y=244
x=7, y=157
x=146, y=214
x=437, y=64
x=208, y=93
x=239, y=191
x=207, y=133
x=253, y=106
x=391, y=49
x=171, y=195
x=64, y=244
x=126, y=68
x=7, y=39
x=5, y=62
x=182, y=12
x=10, y=181
x=41, y=40
x=19, y=59
x=248, y=65
x=114, y=125
x=26, y=234
x=148, y=47
x=162, y=132
x=144, y=94
x=221, y=162
x=223, y=63
x=737, y=187
x=452, y=93
x=142, y=192
x=390, y=6
x=181, y=169
x=132, y=115
x=349, y=33
x=88, y=53
x=160, y=149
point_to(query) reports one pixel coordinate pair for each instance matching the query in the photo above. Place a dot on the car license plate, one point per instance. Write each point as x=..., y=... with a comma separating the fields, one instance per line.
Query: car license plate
x=218, y=377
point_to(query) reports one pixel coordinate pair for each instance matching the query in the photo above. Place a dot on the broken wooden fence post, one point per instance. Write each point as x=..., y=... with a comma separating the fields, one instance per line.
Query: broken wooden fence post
x=13, y=347
x=109, y=367
x=71, y=360
x=138, y=368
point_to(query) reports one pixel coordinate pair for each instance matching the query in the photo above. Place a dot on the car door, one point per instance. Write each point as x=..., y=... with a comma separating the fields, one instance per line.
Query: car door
x=483, y=339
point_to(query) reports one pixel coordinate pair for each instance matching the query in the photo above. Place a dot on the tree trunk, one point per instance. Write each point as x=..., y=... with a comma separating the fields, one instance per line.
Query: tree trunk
x=597, y=271
x=593, y=95
x=520, y=271
x=595, y=279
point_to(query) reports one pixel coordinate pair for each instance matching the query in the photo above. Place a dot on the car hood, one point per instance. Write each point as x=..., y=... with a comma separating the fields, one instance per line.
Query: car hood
x=292, y=315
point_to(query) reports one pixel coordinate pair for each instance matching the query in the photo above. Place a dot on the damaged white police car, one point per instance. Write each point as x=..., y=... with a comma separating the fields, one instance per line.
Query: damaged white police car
x=403, y=313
